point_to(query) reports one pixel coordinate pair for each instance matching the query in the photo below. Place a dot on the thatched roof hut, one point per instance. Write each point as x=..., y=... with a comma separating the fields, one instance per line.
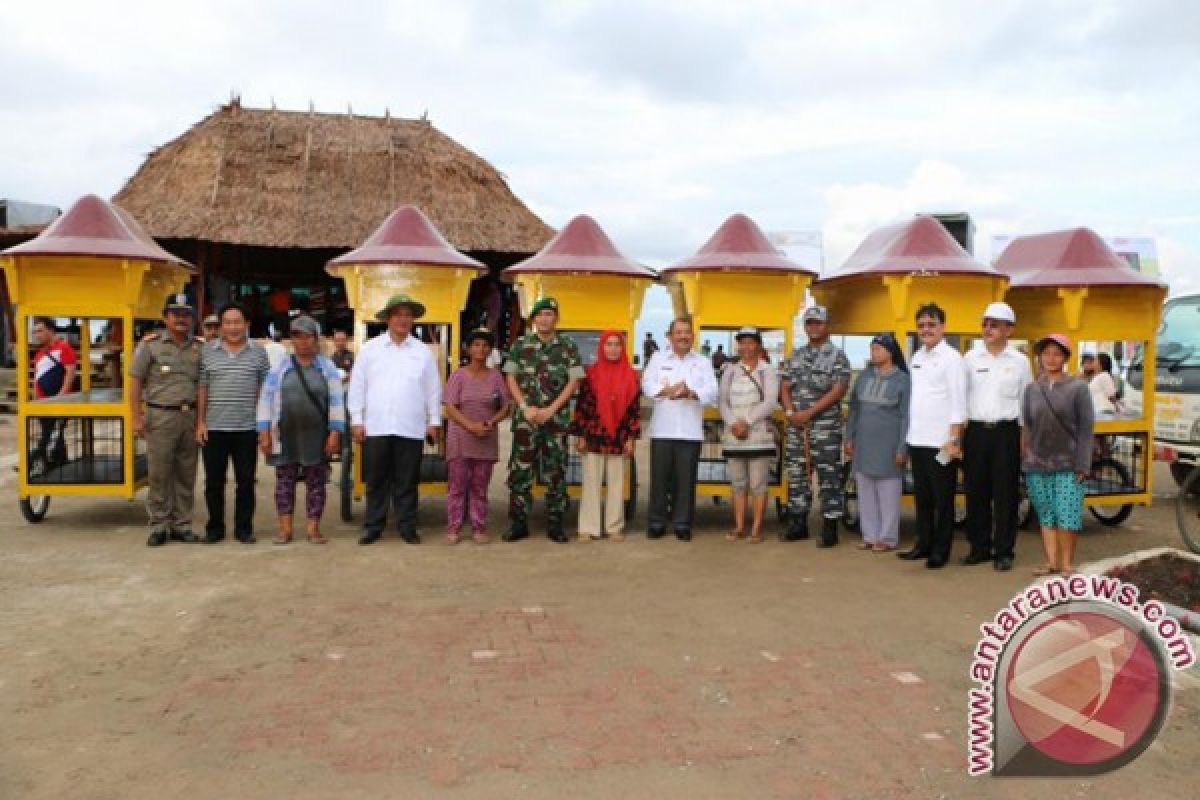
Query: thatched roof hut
x=268, y=196
x=293, y=179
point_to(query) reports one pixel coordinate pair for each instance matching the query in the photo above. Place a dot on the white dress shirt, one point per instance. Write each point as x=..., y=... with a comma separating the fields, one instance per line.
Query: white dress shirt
x=995, y=384
x=395, y=389
x=682, y=418
x=939, y=395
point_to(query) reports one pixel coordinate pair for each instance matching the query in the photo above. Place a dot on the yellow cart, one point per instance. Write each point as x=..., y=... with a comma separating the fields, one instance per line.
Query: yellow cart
x=893, y=272
x=597, y=289
x=1071, y=282
x=96, y=266
x=736, y=279
x=406, y=253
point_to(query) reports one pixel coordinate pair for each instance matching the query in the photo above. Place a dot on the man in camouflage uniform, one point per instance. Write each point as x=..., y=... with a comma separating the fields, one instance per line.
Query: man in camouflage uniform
x=813, y=382
x=164, y=374
x=543, y=371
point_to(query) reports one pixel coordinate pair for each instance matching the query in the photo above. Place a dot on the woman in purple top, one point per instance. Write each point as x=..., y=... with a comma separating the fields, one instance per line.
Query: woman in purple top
x=476, y=400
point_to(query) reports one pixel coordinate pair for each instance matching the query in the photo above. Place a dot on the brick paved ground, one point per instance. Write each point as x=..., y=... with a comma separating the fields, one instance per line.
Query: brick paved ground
x=635, y=669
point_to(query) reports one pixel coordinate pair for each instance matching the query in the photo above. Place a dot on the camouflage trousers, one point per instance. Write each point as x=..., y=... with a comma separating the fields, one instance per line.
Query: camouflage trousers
x=542, y=454
x=825, y=450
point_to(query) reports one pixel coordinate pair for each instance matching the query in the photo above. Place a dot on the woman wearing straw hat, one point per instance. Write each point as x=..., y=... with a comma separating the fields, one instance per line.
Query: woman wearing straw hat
x=395, y=404
x=746, y=398
x=1056, y=450
x=301, y=418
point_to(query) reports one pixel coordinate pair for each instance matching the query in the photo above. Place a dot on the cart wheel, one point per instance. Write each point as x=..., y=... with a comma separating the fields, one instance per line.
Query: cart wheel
x=1180, y=471
x=346, y=484
x=1187, y=511
x=631, y=501
x=850, y=516
x=1111, y=472
x=34, y=508
x=781, y=511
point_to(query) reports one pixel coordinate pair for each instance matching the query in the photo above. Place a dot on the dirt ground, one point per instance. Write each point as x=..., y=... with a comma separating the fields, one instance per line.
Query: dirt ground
x=636, y=669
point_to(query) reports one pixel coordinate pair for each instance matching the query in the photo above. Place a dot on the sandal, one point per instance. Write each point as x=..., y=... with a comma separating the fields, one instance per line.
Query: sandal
x=315, y=537
x=754, y=538
x=882, y=548
x=283, y=538
x=480, y=537
x=452, y=538
x=865, y=546
x=1045, y=569
x=733, y=536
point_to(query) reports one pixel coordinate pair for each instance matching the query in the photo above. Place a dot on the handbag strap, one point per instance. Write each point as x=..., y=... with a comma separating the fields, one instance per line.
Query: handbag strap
x=1057, y=418
x=749, y=373
x=323, y=408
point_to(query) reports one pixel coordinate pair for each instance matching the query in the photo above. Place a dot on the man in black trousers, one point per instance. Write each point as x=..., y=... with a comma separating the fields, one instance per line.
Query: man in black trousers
x=937, y=413
x=395, y=406
x=997, y=375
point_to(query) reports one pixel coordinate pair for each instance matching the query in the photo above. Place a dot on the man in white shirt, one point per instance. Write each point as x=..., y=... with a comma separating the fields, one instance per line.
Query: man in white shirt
x=937, y=414
x=395, y=405
x=997, y=375
x=681, y=383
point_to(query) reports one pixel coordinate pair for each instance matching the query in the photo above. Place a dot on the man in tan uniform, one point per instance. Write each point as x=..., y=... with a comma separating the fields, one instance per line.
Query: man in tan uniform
x=164, y=374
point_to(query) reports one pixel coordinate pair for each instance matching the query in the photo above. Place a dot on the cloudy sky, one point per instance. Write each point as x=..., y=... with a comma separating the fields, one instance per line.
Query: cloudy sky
x=661, y=118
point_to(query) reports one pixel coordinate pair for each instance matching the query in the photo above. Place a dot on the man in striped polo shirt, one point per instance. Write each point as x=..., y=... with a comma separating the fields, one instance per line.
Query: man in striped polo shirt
x=232, y=371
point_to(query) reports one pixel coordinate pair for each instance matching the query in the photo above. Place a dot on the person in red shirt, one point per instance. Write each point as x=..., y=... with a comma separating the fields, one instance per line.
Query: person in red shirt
x=54, y=368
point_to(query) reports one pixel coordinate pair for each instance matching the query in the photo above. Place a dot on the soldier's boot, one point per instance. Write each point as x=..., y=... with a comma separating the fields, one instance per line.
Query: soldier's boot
x=829, y=533
x=517, y=531
x=554, y=529
x=797, y=530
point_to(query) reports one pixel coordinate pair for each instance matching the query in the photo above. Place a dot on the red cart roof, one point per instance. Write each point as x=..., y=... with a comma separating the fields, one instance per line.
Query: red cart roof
x=581, y=247
x=739, y=244
x=95, y=227
x=1075, y=257
x=920, y=245
x=407, y=237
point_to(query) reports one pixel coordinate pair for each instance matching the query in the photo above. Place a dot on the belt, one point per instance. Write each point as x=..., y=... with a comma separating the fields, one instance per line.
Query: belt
x=999, y=423
x=180, y=407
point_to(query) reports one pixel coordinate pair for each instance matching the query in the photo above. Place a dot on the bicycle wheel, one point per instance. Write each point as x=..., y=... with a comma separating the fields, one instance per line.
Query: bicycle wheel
x=1187, y=511
x=1108, y=473
x=346, y=484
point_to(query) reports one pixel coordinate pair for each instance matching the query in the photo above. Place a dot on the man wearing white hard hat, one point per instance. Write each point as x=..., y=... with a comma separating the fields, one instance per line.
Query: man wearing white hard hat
x=997, y=375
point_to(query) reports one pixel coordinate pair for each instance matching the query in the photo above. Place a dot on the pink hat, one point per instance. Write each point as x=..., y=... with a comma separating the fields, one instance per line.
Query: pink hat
x=1057, y=338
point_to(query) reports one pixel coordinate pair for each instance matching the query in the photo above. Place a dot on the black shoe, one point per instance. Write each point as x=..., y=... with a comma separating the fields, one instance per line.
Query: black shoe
x=683, y=534
x=368, y=538
x=157, y=539
x=183, y=536
x=410, y=537
x=516, y=532
x=829, y=536
x=247, y=539
x=797, y=530
x=1003, y=564
x=655, y=532
x=915, y=554
x=214, y=538
x=555, y=532
x=935, y=562
x=973, y=558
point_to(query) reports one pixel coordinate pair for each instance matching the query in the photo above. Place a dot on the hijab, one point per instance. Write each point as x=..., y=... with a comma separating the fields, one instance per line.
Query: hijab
x=888, y=342
x=614, y=383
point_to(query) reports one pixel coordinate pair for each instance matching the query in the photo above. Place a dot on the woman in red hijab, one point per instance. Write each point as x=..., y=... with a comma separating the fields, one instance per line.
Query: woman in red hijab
x=605, y=426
